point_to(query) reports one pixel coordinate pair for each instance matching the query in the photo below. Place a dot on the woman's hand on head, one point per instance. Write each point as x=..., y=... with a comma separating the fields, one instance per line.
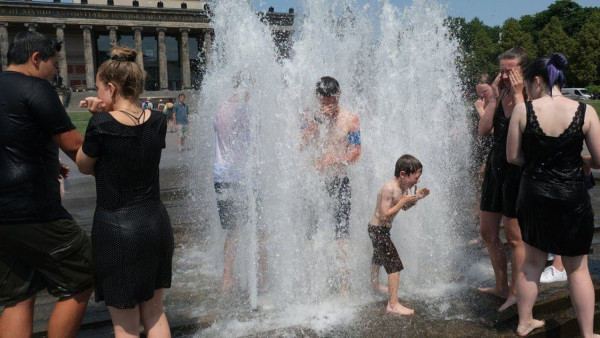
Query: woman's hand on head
x=496, y=86
x=516, y=85
x=93, y=104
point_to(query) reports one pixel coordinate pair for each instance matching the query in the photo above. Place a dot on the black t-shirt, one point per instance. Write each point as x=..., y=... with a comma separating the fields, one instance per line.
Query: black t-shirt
x=30, y=114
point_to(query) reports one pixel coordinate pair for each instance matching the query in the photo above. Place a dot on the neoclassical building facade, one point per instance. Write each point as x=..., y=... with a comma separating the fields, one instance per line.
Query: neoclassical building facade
x=173, y=38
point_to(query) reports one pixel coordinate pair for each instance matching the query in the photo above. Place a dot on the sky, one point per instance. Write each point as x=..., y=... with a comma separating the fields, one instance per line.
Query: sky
x=491, y=12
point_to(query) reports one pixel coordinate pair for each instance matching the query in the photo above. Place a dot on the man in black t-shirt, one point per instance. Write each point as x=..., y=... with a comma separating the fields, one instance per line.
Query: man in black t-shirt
x=41, y=246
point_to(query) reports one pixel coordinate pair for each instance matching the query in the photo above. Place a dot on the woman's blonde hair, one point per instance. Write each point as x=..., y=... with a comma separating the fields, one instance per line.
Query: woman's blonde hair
x=122, y=71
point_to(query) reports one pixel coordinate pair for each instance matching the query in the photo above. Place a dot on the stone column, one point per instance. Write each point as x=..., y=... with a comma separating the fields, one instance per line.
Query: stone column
x=62, y=55
x=31, y=26
x=3, y=45
x=88, y=53
x=112, y=36
x=185, y=58
x=137, y=37
x=207, y=47
x=163, y=77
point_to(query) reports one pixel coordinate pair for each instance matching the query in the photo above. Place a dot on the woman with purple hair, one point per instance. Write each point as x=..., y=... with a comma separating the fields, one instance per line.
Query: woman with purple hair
x=546, y=138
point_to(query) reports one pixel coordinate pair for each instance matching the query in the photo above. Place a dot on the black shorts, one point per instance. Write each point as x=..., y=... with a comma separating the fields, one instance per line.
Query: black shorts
x=56, y=255
x=340, y=191
x=232, y=204
x=384, y=251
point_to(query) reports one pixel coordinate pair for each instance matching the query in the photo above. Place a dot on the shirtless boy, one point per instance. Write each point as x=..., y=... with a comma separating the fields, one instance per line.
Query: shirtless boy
x=393, y=196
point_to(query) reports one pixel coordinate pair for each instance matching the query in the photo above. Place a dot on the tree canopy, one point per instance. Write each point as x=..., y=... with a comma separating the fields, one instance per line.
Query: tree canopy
x=564, y=27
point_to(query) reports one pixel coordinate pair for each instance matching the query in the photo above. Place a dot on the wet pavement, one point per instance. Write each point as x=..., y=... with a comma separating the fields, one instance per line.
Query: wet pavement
x=195, y=306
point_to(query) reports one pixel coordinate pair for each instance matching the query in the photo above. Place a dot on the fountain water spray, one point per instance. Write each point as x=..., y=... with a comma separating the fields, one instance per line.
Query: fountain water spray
x=398, y=72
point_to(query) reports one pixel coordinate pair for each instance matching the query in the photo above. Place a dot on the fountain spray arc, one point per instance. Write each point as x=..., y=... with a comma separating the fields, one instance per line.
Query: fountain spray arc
x=398, y=73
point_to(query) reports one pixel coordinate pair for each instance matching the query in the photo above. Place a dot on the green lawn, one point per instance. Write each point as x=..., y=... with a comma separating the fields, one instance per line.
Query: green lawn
x=80, y=120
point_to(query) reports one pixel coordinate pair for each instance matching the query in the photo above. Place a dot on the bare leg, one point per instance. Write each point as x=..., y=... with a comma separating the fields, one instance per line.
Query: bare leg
x=154, y=318
x=343, y=259
x=17, y=319
x=262, y=259
x=581, y=291
x=126, y=322
x=527, y=289
x=229, y=257
x=490, y=232
x=557, y=263
x=393, y=304
x=512, y=232
x=67, y=315
x=375, y=280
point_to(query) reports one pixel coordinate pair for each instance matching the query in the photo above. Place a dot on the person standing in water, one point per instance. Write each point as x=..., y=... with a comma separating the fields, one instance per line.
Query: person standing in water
x=231, y=125
x=393, y=197
x=546, y=138
x=334, y=134
x=501, y=179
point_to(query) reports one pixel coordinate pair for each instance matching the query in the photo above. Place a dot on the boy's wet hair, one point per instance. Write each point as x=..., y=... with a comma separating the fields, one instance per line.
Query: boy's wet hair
x=26, y=43
x=407, y=163
x=328, y=87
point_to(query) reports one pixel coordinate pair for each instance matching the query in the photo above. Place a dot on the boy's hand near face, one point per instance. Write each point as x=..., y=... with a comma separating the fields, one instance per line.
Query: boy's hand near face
x=408, y=201
x=422, y=193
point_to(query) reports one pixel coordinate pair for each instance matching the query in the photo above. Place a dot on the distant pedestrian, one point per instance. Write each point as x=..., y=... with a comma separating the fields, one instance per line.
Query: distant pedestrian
x=182, y=113
x=168, y=111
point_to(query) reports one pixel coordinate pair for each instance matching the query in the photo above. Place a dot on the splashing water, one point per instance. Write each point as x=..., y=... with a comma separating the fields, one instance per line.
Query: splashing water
x=398, y=72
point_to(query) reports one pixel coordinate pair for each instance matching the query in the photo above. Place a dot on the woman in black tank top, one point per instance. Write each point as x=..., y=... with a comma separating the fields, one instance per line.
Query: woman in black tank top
x=546, y=138
x=501, y=180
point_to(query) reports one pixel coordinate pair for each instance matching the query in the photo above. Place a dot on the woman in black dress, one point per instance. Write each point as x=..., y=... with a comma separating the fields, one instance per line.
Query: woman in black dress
x=546, y=138
x=501, y=180
x=131, y=235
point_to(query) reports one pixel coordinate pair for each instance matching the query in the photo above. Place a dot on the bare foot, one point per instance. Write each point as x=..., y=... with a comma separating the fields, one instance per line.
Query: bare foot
x=474, y=241
x=523, y=330
x=400, y=310
x=510, y=301
x=380, y=289
x=494, y=292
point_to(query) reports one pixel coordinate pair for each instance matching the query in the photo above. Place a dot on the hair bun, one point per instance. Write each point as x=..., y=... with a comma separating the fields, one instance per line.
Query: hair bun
x=559, y=60
x=123, y=54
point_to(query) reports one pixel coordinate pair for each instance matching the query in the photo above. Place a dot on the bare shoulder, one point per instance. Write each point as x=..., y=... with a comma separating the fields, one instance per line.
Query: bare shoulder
x=590, y=110
x=590, y=117
x=351, y=120
x=390, y=188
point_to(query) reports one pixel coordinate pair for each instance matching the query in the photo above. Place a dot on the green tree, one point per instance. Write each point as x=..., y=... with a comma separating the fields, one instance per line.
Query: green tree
x=554, y=39
x=585, y=67
x=513, y=35
x=571, y=15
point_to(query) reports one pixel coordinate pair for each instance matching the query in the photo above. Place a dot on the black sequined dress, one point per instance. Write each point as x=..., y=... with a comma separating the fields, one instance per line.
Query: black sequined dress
x=131, y=234
x=553, y=207
x=501, y=180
